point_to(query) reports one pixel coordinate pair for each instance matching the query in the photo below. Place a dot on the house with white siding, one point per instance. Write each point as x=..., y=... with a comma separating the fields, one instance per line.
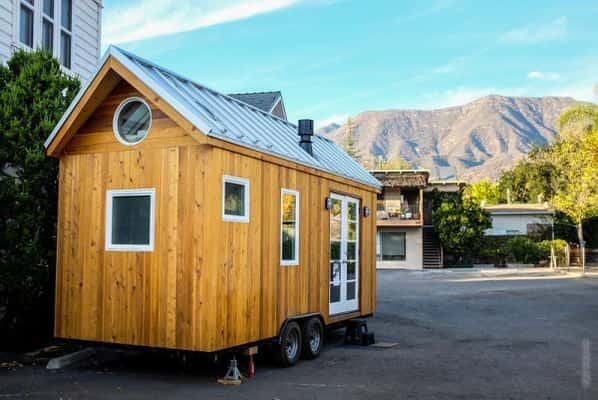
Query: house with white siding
x=70, y=29
x=519, y=219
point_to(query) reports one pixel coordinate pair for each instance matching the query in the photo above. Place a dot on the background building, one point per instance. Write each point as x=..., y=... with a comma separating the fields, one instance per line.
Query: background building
x=519, y=219
x=405, y=235
x=70, y=29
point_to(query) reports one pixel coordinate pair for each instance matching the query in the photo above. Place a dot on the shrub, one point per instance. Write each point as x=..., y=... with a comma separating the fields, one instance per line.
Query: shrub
x=522, y=249
x=34, y=92
x=560, y=250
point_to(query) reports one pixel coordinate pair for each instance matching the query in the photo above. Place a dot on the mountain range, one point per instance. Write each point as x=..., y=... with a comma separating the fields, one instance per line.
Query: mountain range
x=469, y=142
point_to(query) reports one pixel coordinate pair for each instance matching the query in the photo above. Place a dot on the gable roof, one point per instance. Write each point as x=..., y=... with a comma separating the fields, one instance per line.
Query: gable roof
x=265, y=101
x=231, y=120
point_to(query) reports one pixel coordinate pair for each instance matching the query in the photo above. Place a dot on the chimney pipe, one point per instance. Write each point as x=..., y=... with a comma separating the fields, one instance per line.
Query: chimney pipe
x=306, y=131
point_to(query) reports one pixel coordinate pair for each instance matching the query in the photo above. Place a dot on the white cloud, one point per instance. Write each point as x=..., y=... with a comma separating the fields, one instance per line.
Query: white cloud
x=545, y=32
x=544, y=76
x=332, y=119
x=438, y=6
x=444, y=69
x=151, y=18
x=584, y=91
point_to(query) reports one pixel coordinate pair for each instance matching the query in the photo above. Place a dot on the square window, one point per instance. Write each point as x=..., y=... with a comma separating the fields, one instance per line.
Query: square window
x=393, y=246
x=130, y=220
x=235, y=199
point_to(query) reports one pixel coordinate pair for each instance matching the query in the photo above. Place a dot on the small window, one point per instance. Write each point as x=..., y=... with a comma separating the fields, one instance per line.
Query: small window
x=26, y=23
x=48, y=26
x=67, y=14
x=392, y=246
x=65, y=49
x=235, y=199
x=132, y=121
x=289, y=230
x=49, y=8
x=47, y=35
x=66, y=31
x=130, y=220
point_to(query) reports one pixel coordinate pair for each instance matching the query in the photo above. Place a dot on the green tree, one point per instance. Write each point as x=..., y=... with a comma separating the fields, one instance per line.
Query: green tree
x=483, y=191
x=575, y=159
x=531, y=179
x=460, y=223
x=349, y=144
x=34, y=93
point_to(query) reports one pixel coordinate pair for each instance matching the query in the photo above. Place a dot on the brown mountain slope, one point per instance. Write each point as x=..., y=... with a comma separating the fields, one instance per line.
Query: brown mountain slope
x=476, y=140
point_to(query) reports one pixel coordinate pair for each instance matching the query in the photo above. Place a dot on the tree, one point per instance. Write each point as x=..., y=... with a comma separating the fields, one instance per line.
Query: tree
x=349, y=144
x=460, y=223
x=575, y=159
x=483, y=191
x=530, y=180
x=396, y=163
x=34, y=93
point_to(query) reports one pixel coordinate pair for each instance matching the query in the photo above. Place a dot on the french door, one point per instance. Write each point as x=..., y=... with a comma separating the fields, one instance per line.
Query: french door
x=344, y=254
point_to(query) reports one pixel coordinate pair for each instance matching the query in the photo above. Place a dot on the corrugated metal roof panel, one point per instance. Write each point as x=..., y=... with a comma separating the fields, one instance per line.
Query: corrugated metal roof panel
x=232, y=120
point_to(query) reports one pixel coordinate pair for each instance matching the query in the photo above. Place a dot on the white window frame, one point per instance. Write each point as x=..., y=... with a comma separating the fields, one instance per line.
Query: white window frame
x=117, y=113
x=239, y=181
x=296, y=194
x=110, y=195
x=38, y=16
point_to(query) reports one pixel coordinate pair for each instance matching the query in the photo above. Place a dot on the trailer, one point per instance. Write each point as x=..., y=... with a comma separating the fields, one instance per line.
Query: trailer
x=190, y=220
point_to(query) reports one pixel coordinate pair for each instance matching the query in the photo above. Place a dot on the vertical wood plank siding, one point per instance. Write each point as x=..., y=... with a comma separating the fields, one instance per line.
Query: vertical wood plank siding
x=208, y=284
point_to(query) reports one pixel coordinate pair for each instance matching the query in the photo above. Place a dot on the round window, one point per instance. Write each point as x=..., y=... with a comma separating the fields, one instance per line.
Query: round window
x=132, y=121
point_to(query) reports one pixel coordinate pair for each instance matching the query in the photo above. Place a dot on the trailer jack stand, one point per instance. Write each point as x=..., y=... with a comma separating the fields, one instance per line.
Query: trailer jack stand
x=233, y=375
x=251, y=371
x=357, y=333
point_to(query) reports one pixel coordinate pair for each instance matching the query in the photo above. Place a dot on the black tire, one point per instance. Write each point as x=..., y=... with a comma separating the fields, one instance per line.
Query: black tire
x=313, y=338
x=286, y=353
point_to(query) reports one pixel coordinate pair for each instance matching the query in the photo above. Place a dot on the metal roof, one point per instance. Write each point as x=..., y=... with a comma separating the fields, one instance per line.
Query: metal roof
x=226, y=118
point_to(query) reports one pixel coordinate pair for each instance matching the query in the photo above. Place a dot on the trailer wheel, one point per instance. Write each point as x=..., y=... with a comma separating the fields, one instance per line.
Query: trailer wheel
x=313, y=338
x=288, y=350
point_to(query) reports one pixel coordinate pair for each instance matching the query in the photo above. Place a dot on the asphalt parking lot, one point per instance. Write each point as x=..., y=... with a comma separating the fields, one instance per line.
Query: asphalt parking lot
x=491, y=334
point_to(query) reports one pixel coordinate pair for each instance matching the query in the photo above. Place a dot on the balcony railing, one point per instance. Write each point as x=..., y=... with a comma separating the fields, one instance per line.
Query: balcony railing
x=395, y=210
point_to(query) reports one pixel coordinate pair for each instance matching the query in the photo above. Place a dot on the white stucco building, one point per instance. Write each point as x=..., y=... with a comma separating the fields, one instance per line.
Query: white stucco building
x=519, y=219
x=70, y=29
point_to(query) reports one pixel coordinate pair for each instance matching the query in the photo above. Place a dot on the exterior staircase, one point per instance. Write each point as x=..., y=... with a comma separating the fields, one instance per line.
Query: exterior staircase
x=432, y=248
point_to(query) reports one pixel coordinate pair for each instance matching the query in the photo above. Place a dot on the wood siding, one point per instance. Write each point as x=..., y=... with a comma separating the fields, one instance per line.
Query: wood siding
x=208, y=284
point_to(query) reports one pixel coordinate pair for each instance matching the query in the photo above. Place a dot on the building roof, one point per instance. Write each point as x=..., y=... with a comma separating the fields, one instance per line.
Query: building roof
x=402, y=178
x=265, y=101
x=226, y=118
x=504, y=209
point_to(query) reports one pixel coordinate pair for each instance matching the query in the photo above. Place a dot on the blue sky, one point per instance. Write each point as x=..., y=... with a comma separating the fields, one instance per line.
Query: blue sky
x=334, y=58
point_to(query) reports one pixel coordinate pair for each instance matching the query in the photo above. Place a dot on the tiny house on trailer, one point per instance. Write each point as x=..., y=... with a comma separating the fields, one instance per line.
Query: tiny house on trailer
x=191, y=220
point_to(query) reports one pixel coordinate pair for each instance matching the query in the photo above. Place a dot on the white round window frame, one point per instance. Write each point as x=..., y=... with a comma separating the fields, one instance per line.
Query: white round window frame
x=117, y=113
